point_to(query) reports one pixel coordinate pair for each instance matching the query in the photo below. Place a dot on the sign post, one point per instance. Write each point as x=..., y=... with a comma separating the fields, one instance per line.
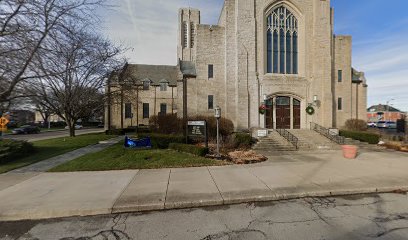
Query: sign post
x=217, y=114
x=197, y=129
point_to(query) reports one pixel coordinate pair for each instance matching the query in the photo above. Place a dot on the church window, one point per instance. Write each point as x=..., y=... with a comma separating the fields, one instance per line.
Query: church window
x=192, y=34
x=163, y=87
x=339, y=75
x=282, y=42
x=185, y=35
x=210, y=71
x=210, y=102
x=339, y=104
x=146, y=110
x=146, y=85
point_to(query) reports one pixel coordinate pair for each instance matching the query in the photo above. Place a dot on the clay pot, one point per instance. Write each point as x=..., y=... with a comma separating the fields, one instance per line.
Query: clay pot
x=350, y=151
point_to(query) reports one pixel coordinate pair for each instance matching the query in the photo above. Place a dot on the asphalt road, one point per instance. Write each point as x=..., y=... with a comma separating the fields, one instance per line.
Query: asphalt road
x=50, y=135
x=382, y=217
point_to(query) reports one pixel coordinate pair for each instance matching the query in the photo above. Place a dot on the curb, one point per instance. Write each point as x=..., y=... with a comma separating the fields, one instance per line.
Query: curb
x=134, y=208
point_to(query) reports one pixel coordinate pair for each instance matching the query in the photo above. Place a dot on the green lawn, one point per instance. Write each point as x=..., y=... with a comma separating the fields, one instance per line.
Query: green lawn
x=119, y=158
x=53, y=147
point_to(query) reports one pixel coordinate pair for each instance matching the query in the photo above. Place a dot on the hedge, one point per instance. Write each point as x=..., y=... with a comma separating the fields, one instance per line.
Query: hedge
x=12, y=149
x=120, y=131
x=370, y=138
x=196, y=150
x=163, y=141
x=242, y=140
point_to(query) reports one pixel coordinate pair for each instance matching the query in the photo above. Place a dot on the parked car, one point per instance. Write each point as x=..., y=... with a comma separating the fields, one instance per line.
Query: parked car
x=77, y=127
x=387, y=124
x=101, y=125
x=381, y=124
x=391, y=125
x=26, y=129
x=371, y=124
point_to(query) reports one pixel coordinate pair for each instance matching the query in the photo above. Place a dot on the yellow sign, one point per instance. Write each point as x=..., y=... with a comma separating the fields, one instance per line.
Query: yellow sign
x=3, y=122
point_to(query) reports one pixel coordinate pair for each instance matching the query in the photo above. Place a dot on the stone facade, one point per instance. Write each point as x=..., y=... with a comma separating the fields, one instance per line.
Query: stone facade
x=236, y=48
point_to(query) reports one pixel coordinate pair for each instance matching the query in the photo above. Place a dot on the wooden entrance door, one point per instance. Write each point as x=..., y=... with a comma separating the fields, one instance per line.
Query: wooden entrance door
x=296, y=114
x=269, y=114
x=283, y=112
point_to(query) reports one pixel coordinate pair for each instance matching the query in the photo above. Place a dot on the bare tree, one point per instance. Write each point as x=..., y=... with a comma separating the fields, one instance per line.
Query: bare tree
x=25, y=27
x=74, y=73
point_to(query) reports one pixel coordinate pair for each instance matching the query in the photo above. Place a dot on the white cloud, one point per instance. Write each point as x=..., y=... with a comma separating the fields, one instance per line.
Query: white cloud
x=149, y=28
x=384, y=61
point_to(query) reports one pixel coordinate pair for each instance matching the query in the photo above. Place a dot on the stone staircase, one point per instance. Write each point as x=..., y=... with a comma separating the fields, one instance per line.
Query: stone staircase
x=311, y=140
x=274, y=142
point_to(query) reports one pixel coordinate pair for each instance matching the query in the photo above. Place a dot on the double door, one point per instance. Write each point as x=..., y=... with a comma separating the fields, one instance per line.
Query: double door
x=283, y=116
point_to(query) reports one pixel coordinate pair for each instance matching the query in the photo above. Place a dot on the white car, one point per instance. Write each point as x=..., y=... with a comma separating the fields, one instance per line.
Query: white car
x=77, y=127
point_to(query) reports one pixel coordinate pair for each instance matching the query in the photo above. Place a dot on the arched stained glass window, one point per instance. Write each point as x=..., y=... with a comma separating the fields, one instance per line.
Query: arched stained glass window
x=282, y=42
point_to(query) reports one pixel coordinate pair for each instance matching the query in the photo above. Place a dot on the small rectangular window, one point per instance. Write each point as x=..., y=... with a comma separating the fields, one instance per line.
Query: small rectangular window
x=163, y=109
x=340, y=76
x=339, y=104
x=210, y=102
x=146, y=110
x=210, y=71
x=163, y=87
x=146, y=85
x=128, y=110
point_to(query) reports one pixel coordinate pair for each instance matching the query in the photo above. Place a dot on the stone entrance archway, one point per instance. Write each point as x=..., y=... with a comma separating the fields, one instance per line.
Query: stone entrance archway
x=283, y=112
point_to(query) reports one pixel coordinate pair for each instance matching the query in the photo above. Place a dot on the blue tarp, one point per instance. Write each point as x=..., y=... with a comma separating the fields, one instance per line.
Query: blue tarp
x=138, y=143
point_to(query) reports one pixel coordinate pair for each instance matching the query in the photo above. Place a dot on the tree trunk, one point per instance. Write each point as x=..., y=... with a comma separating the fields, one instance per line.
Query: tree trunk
x=71, y=126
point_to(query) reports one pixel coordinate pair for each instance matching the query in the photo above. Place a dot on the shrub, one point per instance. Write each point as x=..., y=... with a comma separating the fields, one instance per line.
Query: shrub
x=241, y=140
x=196, y=150
x=11, y=149
x=356, y=125
x=166, y=124
x=163, y=141
x=371, y=138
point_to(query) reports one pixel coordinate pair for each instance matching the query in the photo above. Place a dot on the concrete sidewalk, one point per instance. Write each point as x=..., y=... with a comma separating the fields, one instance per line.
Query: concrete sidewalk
x=50, y=195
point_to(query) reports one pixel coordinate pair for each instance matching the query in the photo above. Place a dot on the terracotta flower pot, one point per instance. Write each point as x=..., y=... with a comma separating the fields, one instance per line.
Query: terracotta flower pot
x=349, y=151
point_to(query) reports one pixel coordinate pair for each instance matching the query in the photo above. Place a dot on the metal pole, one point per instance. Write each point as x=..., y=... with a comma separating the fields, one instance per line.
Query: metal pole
x=218, y=138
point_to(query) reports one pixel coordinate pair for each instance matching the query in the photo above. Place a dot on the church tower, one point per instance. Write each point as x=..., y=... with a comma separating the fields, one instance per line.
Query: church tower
x=187, y=29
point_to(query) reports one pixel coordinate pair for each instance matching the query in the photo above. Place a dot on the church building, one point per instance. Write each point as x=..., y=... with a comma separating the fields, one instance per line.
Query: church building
x=274, y=64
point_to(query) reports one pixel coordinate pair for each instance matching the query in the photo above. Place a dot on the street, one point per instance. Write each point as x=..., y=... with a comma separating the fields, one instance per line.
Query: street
x=51, y=135
x=352, y=217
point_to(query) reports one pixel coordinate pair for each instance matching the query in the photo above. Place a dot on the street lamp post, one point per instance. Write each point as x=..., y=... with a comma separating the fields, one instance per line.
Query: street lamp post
x=217, y=114
x=388, y=109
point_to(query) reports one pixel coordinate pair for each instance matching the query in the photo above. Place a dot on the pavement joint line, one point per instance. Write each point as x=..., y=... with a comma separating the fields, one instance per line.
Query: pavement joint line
x=123, y=190
x=5, y=174
x=253, y=174
x=167, y=190
x=215, y=183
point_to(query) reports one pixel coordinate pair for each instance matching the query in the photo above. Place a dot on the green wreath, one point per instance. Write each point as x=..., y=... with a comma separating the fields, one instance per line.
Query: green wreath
x=310, y=110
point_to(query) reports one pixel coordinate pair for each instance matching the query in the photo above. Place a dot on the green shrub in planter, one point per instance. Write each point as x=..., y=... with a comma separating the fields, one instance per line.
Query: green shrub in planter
x=162, y=141
x=196, y=150
x=12, y=149
x=242, y=140
x=370, y=138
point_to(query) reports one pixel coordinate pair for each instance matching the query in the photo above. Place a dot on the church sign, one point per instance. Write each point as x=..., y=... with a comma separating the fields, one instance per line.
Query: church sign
x=197, y=128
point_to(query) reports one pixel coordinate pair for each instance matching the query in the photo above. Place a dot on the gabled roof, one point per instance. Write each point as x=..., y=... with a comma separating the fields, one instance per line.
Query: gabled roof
x=382, y=108
x=156, y=74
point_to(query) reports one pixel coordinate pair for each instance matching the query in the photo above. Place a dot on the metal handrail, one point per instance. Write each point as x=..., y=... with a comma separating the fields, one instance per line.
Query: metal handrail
x=326, y=133
x=289, y=136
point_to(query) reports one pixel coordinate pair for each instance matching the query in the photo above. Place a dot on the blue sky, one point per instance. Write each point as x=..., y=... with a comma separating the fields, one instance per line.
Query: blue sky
x=379, y=29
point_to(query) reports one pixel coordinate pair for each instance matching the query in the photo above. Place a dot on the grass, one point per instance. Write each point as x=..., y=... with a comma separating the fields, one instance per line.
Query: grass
x=53, y=147
x=119, y=158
